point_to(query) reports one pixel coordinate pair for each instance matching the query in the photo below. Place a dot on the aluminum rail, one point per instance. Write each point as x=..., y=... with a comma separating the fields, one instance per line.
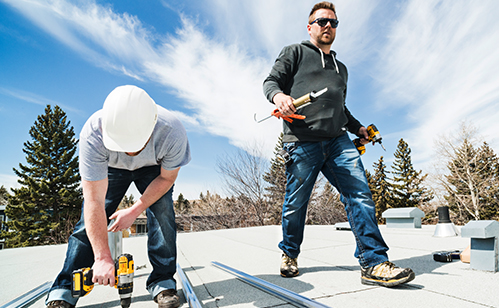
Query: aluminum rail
x=284, y=294
x=29, y=297
x=190, y=296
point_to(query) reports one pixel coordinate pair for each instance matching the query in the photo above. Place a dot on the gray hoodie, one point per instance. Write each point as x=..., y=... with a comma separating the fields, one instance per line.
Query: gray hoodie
x=300, y=69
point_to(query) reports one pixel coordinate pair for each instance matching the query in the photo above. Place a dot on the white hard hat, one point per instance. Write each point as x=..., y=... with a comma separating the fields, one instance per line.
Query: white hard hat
x=128, y=120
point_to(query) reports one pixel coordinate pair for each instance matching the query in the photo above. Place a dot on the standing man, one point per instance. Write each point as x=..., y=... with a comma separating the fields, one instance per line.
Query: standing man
x=319, y=143
x=131, y=139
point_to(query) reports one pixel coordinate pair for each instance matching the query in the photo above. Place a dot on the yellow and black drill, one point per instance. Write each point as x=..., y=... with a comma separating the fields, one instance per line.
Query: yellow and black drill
x=82, y=280
x=374, y=136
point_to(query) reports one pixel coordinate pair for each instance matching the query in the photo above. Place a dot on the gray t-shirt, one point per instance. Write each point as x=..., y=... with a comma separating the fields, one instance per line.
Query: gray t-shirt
x=167, y=147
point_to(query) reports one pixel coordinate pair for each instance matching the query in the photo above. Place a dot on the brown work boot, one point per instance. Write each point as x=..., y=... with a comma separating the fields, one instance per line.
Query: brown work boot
x=289, y=266
x=59, y=304
x=386, y=274
x=167, y=299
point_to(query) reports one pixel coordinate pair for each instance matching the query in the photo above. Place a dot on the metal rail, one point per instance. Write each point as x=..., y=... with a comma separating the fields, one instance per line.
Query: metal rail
x=190, y=296
x=284, y=294
x=29, y=297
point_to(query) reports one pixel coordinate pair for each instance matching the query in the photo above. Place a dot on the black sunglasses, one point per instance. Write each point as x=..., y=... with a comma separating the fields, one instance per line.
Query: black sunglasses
x=323, y=22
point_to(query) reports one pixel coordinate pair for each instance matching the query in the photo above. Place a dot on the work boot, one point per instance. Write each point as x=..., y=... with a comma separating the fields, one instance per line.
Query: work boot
x=289, y=266
x=167, y=299
x=59, y=304
x=386, y=274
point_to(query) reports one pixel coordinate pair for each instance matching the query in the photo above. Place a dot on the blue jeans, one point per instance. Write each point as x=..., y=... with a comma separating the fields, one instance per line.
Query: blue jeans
x=340, y=163
x=161, y=231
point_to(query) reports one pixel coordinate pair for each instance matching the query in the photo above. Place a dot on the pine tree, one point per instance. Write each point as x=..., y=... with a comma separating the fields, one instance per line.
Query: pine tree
x=407, y=183
x=182, y=205
x=380, y=188
x=126, y=202
x=276, y=177
x=48, y=204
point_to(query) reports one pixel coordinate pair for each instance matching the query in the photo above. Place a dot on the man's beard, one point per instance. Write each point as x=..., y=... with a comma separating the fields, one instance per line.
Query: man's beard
x=327, y=41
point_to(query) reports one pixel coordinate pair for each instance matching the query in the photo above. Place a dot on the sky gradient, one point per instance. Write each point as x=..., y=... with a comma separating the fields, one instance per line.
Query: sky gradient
x=417, y=69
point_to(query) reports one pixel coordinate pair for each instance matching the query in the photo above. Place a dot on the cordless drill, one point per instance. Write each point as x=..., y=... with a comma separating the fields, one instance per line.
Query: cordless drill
x=124, y=268
x=373, y=136
x=124, y=278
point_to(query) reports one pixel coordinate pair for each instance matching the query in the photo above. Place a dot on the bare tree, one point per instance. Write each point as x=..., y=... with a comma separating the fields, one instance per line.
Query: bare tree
x=471, y=176
x=243, y=174
x=212, y=212
x=325, y=207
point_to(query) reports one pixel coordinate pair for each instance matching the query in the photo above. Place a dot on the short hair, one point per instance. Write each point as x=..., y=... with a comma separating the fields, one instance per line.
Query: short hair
x=321, y=5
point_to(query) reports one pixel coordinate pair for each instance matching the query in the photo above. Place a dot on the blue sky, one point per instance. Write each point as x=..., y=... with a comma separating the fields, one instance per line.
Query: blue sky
x=416, y=69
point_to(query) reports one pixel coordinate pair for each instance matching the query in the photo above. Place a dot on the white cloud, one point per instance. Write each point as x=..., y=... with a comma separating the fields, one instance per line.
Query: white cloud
x=34, y=98
x=440, y=66
x=220, y=83
x=109, y=40
x=271, y=25
x=9, y=181
x=435, y=61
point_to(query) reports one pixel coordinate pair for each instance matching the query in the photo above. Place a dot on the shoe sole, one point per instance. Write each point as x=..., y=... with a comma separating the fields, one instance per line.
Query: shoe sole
x=290, y=275
x=387, y=283
x=169, y=305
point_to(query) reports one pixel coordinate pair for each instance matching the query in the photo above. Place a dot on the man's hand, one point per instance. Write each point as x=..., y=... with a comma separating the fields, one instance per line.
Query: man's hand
x=156, y=189
x=124, y=220
x=363, y=135
x=104, y=272
x=284, y=103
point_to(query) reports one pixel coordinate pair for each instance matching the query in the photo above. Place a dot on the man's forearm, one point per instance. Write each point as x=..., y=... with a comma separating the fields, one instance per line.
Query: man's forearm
x=153, y=192
x=158, y=187
x=96, y=225
x=94, y=194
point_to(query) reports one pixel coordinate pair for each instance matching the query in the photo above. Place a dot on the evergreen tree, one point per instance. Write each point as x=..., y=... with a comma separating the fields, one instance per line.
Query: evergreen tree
x=182, y=205
x=126, y=202
x=276, y=177
x=407, y=183
x=380, y=188
x=47, y=206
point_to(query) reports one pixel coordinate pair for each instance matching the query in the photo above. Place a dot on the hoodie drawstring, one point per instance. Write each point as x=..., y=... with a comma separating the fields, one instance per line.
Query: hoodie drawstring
x=322, y=58
x=324, y=63
x=335, y=64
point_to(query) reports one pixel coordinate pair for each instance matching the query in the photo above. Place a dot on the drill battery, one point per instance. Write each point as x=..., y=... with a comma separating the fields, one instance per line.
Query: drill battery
x=82, y=283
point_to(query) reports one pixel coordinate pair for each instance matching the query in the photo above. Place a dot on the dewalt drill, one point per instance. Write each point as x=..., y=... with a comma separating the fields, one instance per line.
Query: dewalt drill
x=374, y=136
x=124, y=268
x=124, y=279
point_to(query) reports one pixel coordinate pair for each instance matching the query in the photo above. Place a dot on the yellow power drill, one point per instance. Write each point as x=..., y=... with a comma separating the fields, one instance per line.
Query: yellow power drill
x=374, y=136
x=82, y=280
